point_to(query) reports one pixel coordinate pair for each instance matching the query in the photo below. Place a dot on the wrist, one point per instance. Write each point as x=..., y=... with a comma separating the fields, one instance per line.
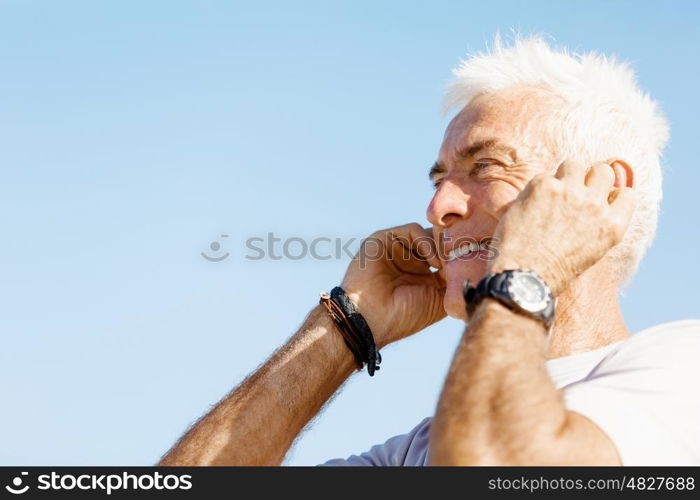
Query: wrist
x=321, y=331
x=552, y=278
x=490, y=309
x=353, y=328
x=380, y=331
x=519, y=289
x=503, y=263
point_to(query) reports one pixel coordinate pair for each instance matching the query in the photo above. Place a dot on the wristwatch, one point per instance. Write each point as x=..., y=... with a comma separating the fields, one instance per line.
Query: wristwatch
x=522, y=291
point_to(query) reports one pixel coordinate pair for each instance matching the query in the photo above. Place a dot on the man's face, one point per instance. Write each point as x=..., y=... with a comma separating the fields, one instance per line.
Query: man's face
x=491, y=150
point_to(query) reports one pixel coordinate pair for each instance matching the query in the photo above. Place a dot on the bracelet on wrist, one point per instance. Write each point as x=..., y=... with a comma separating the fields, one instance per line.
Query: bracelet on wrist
x=355, y=331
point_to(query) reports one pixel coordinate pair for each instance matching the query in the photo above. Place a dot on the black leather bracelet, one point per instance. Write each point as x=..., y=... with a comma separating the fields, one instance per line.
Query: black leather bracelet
x=369, y=352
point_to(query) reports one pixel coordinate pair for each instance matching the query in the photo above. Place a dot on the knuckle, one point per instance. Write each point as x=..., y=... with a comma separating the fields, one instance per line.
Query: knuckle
x=545, y=183
x=594, y=206
x=377, y=235
x=538, y=179
x=615, y=230
x=602, y=170
x=378, y=238
x=551, y=185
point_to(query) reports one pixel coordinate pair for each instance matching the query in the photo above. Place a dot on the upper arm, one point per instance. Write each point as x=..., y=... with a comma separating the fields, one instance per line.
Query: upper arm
x=583, y=442
x=643, y=401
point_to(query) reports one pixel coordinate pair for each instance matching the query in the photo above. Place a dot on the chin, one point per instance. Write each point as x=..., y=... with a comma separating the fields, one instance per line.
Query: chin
x=456, y=273
x=454, y=305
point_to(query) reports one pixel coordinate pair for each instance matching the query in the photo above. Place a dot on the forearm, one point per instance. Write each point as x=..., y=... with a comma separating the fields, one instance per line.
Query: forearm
x=258, y=421
x=498, y=404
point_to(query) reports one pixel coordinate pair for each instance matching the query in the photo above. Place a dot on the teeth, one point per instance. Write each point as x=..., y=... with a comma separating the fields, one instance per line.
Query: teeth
x=466, y=249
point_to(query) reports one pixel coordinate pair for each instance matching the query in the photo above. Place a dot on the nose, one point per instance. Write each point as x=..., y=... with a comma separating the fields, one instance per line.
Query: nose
x=449, y=204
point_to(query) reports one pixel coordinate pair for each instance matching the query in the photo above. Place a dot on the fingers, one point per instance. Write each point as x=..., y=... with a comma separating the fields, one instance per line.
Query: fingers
x=428, y=252
x=571, y=171
x=425, y=248
x=415, y=241
x=600, y=177
x=601, y=184
x=623, y=199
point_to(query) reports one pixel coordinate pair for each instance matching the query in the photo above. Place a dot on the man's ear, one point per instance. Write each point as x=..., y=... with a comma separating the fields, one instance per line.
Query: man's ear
x=624, y=173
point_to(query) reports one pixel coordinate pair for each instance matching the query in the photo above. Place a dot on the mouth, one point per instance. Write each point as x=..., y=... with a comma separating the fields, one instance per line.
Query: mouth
x=469, y=250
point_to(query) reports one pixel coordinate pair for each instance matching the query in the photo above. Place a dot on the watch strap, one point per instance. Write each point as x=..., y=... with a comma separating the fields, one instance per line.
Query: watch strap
x=495, y=285
x=491, y=285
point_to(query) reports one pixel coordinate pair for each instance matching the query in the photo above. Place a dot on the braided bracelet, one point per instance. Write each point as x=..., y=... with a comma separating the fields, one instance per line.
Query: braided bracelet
x=354, y=329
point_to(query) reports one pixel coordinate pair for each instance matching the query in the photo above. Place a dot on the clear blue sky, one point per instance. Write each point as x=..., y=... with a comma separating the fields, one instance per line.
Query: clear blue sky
x=134, y=134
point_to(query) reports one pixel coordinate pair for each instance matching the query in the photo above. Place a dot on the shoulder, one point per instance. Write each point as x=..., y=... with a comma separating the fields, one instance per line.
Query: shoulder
x=643, y=395
x=686, y=331
x=673, y=345
x=665, y=356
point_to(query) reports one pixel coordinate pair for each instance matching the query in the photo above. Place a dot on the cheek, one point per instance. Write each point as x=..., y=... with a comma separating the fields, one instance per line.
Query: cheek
x=499, y=194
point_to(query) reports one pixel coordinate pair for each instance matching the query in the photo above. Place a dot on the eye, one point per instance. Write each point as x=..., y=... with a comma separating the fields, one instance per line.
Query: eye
x=482, y=165
x=436, y=183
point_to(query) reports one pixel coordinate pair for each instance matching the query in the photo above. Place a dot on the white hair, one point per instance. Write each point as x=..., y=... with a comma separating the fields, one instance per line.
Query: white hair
x=604, y=115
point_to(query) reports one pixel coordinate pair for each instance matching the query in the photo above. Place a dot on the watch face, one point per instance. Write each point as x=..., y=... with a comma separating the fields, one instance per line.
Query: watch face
x=528, y=291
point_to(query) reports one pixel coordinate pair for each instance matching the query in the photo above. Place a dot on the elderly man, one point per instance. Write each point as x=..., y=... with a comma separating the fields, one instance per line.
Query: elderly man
x=547, y=184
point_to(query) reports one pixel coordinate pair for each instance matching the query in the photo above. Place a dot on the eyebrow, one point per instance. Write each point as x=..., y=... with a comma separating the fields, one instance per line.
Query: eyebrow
x=467, y=152
x=494, y=144
x=437, y=169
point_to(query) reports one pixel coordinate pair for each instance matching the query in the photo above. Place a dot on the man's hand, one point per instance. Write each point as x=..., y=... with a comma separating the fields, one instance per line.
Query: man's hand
x=561, y=225
x=391, y=282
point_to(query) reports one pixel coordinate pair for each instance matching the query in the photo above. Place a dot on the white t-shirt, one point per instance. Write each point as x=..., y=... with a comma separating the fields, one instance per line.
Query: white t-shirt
x=643, y=393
